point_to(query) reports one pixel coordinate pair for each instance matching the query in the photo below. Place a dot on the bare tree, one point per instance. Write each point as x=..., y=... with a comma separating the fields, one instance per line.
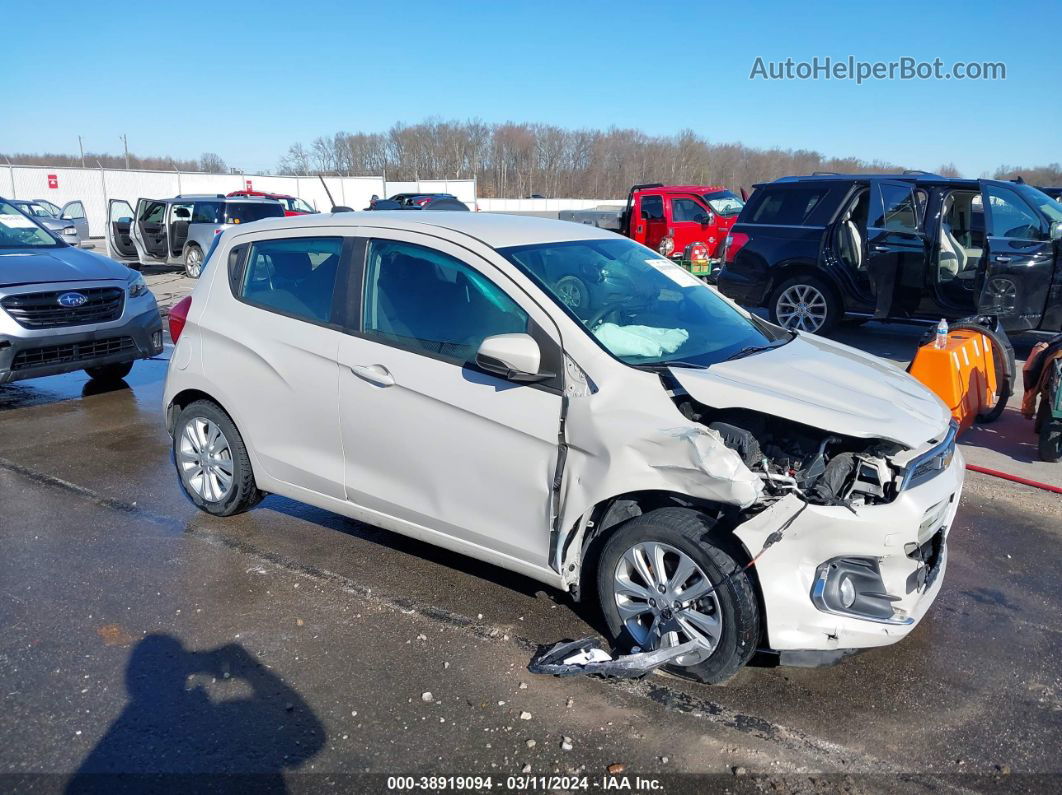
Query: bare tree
x=212, y=163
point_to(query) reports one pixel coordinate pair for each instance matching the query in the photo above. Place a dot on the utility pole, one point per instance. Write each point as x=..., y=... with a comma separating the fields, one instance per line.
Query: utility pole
x=81, y=146
x=125, y=143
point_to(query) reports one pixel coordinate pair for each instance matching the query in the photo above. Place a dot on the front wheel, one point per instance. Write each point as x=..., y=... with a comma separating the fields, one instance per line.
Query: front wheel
x=805, y=303
x=193, y=261
x=662, y=583
x=109, y=372
x=212, y=460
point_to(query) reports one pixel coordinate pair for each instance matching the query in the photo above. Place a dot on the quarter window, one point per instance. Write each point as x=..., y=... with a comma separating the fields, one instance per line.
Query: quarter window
x=787, y=206
x=687, y=210
x=294, y=276
x=431, y=303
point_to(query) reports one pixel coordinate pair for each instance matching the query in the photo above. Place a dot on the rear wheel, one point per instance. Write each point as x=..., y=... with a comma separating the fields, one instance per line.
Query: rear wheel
x=805, y=303
x=193, y=261
x=573, y=292
x=109, y=372
x=212, y=460
x=662, y=582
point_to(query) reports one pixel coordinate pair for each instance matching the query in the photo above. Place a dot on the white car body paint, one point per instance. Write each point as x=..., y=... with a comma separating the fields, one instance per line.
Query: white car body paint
x=468, y=465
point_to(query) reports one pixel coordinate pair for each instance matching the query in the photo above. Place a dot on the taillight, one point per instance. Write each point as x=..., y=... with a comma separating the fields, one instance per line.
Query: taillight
x=735, y=241
x=179, y=316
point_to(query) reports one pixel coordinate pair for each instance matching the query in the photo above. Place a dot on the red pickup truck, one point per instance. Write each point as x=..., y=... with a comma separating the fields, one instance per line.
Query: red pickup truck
x=686, y=223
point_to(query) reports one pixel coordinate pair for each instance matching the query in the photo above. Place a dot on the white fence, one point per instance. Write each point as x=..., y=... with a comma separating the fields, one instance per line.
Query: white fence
x=95, y=186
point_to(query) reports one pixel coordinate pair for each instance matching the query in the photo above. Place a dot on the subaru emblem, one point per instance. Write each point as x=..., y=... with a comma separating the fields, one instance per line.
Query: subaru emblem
x=71, y=300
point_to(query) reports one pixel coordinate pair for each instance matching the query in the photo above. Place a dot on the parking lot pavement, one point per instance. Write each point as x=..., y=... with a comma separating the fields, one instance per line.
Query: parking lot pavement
x=142, y=633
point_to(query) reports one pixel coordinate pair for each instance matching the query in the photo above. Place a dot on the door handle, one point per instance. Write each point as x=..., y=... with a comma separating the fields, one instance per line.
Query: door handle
x=880, y=248
x=374, y=374
x=1002, y=259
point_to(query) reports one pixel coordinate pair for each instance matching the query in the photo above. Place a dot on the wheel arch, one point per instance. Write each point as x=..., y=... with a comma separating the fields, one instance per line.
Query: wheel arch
x=802, y=267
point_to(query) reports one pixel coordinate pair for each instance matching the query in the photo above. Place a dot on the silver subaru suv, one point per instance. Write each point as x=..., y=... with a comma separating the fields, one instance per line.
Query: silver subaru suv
x=63, y=308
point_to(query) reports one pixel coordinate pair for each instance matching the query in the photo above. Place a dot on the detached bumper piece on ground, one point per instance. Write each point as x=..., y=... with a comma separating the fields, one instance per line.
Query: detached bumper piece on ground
x=586, y=658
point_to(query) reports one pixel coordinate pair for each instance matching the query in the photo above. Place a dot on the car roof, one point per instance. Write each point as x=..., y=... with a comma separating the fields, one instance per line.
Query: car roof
x=921, y=178
x=687, y=188
x=494, y=229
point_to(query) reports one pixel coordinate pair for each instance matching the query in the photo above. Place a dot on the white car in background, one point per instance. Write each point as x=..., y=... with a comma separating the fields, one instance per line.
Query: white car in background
x=420, y=372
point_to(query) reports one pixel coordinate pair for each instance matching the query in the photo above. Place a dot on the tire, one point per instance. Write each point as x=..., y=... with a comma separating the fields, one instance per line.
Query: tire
x=1003, y=356
x=193, y=261
x=1050, y=430
x=573, y=292
x=733, y=604
x=241, y=492
x=805, y=303
x=109, y=372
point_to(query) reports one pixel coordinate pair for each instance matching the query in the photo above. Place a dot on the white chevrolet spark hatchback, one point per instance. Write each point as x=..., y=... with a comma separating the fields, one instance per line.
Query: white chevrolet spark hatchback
x=715, y=481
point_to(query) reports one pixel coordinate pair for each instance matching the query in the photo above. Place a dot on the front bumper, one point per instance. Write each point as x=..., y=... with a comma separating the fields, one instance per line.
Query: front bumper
x=888, y=536
x=26, y=353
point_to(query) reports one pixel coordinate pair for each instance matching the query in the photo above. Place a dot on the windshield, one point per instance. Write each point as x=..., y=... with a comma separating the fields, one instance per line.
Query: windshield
x=18, y=231
x=34, y=209
x=1041, y=201
x=724, y=202
x=641, y=308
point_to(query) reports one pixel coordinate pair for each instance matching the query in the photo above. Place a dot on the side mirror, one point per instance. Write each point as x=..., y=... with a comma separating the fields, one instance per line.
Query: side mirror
x=706, y=220
x=1056, y=230
x=515, y=357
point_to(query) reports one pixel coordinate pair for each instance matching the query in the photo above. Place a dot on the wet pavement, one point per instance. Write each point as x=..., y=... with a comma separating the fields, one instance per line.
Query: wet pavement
x=140, y=634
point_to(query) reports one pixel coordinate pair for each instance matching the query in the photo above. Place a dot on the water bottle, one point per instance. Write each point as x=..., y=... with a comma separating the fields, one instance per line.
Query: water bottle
x=942, y=334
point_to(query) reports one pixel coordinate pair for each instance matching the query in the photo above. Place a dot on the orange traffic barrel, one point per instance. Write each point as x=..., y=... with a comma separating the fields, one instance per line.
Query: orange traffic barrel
x=962, y=373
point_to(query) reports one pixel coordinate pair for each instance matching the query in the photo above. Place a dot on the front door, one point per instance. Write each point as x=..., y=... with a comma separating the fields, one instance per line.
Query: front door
x=1019, y=259
x=149, y=230
x=75, y=212
x=119, y=223
x=651, y=224
x=895, y=249
x=690, y=221
x=429, y=438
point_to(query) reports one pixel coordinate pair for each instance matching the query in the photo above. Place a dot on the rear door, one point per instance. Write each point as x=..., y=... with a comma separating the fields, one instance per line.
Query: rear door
x=149, y=230
x=75, y=211
x=896, y=248
x=651, y=225
x=118, y=232
x=1015, y=273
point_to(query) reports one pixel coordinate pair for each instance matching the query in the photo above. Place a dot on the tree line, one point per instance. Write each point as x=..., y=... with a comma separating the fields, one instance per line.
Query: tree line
x=208, y=162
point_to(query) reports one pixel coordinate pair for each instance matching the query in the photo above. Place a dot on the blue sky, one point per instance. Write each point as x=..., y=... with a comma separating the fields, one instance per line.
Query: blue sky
x=246, y=80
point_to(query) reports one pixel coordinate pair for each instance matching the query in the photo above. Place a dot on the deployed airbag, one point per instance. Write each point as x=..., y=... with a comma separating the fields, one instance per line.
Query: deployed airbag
x=640, y=340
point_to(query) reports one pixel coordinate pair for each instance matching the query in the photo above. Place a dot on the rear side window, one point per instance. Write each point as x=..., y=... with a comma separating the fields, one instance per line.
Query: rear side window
x=245, y=212
x=294, y=276
x=898, y=211
x=788, y=206
x=652, y=208
x=687, y=210
x=431, y=303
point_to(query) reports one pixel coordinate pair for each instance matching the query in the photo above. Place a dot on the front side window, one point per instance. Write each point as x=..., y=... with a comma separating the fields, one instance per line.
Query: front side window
x=643, y=309
x=18, y=231
x=687, y=210
x=1009, y=216
x=428, y=302
x=294, y=276
x=652, y=208
x=74, y=211
x=724, y=203
x=898, y=211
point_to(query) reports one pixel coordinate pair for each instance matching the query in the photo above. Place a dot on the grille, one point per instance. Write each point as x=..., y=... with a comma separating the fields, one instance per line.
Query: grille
x=72, y=352
x=42, y=310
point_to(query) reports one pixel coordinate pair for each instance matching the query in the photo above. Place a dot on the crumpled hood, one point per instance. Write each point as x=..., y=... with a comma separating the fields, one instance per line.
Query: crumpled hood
x=66, y=264
x=826, y=385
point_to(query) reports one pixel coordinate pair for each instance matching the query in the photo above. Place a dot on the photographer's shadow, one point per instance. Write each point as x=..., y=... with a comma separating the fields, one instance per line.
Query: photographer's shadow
x=196, y=715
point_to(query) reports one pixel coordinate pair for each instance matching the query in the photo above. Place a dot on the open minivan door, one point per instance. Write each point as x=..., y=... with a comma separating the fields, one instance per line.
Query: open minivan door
x=118, y=232
x=1014, y=275
x=149, y=233
x=896, y=248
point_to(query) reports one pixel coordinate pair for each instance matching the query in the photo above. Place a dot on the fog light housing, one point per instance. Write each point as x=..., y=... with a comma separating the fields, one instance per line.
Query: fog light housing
x=853, y=587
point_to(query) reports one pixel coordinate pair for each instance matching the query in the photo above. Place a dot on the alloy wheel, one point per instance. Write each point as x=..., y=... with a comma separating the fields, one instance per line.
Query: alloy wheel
x=801, y=307
x=193, y=261
x=205, y=459
x=665, y=599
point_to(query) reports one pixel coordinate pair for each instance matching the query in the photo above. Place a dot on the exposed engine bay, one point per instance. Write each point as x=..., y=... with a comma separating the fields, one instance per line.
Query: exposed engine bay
x=791, y=458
